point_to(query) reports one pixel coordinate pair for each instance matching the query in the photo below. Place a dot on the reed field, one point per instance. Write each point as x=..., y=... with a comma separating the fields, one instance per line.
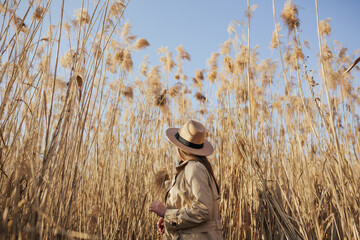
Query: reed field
x=82, y=146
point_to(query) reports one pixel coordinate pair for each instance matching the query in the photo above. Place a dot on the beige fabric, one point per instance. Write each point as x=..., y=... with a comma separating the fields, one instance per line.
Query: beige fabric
x=192, y=205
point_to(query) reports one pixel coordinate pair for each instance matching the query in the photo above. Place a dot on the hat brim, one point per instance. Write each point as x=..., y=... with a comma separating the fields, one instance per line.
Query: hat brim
x=207, y=150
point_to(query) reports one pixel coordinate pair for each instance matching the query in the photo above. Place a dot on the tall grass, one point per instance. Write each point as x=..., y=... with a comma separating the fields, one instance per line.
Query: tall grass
x=82, y=149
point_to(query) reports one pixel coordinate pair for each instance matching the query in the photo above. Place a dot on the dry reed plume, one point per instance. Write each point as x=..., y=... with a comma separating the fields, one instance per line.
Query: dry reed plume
x=82, y=154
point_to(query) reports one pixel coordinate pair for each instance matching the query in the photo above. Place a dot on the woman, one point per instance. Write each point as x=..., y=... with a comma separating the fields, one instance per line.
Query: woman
x=192, y=210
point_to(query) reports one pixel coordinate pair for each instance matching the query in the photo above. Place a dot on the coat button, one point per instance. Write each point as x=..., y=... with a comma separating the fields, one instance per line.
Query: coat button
x=174, y=224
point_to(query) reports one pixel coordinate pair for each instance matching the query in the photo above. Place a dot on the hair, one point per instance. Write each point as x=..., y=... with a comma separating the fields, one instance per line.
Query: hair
x=186, y=156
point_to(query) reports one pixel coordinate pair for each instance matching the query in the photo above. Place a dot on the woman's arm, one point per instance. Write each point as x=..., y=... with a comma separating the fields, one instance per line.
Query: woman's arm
x=197, y=177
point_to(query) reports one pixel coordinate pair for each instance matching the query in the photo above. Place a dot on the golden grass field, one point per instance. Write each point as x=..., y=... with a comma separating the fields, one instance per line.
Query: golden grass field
x=82, y=146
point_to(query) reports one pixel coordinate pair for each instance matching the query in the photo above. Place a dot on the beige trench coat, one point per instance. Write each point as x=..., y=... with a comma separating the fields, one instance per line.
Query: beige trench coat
x=192, y=205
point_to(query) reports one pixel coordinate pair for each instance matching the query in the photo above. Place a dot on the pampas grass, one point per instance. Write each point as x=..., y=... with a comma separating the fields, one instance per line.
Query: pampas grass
x=82, y=149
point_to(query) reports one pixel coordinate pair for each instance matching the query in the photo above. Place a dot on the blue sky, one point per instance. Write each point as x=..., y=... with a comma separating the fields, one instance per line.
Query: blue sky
x=201, y=26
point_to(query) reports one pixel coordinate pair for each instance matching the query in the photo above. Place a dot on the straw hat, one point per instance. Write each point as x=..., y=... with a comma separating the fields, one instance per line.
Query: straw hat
x=191, y=138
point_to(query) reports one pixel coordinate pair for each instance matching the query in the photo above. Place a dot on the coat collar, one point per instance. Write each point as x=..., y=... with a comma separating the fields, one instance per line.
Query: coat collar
x=182, y=165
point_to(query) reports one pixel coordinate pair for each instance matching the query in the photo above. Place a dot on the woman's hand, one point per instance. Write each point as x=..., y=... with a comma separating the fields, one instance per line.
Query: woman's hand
x=158, y=207
x=160, y=225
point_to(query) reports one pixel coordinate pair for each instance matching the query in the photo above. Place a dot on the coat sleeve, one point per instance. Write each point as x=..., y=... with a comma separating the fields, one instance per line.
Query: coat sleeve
x=197, y=178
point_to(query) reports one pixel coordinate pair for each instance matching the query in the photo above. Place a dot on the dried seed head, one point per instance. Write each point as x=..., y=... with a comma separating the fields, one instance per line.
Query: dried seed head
x=212, y=62
x=167, y=62
x=60, y=83
x=225, y=47
x=267, y=70
x=38, y=13
x=2, y=8
x=144, y=65
x=275, y=40
x=199, y=75
x=119, y=57
x=212, y=76
x=185, y=90
x=82, y=16
x=326, y=53
x=160, y=99
x=175, y=90
x=241, y=59
x=298, y=53
x=153, y=77
x=162, y=49
x=125, y=30
x=333, y=77
x=128, y=92
x=292, y=56
x=182, y=54
x=324, y=27
x=127, y=63
x=347, y=88
x=228, y=63
x=96, y=50
x=68, y=59
x=197, y=83
x=203, y=111
x=141, y=43
x=290, y=15
x=67, y=27
x=19, y=24
x=109, y=63
x=222, y=89
x=170, y=64
x=342, y=53
x=231, y=28
x=183, y=77
x=116, y=9
x=250, y=10
x=200, y=97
